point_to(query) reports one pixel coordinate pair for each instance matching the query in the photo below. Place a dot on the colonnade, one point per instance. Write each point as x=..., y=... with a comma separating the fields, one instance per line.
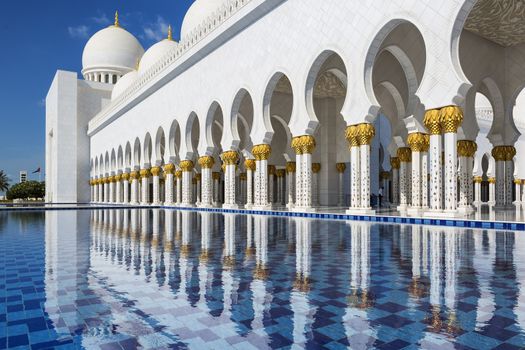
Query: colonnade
x=431, y=175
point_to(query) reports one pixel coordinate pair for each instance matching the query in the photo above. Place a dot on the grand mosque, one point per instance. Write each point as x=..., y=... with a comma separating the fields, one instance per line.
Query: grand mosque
x=299, y=105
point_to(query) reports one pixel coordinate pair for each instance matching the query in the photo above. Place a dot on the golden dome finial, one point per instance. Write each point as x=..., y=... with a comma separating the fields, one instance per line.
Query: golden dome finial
x=170, y=36
x=117, y=24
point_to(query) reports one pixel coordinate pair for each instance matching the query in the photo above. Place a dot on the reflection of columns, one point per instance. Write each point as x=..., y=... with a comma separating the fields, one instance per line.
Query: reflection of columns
x=303, y=147
x=144, y=176
x=281, y=175
x=492, y=191
x=395, y=163
x=216, y=176
x=477, y=189
x=466, y=151
x=419, y=144
x=271, y=183
x=451, y=118
x=206, y=163
x=316, y=168
x=433, y=123
x=134, y=176
x=405, y=157
x=261, y=154
x=290, y=186
x=250, y=168
x=168, y=183
x=125, y=188
x=230, y=159
x=187, y=182
x=341, y=167
x=155, y=172
x=178, y=187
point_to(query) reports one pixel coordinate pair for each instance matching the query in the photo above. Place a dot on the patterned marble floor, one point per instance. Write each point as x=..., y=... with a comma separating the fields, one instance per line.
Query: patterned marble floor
x=155, y=279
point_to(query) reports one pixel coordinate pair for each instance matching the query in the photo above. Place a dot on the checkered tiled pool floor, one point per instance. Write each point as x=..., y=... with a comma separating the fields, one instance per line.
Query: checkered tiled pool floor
x=155, y=279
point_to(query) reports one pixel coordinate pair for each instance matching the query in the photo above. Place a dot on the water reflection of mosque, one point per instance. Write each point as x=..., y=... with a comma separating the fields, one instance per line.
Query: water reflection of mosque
x=159, y=271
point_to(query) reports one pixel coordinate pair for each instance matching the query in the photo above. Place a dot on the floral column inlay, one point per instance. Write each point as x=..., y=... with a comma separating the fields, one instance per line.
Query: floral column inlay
x=451, y=119
x=261, y=154
x=271, y=183
x=432, y=122
x=134, y=176
x=144, y=176
x=250, y=168
x=466, y=150
x=355, y=174
x=419, y=144
x=169, y=169
x=187, y=182
x=230, y=159
x=365, y=133
x=206, y=163
x=499, y=153
x=155, y=172
x=404, y=155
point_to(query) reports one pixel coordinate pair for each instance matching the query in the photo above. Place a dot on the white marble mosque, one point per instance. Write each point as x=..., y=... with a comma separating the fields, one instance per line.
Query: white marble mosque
x=299, y=105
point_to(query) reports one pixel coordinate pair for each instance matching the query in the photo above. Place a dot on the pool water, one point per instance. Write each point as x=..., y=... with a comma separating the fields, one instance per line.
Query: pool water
x=159, y=278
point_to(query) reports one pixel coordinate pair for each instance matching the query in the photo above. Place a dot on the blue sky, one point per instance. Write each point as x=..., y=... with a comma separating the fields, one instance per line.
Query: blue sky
x=37, y=38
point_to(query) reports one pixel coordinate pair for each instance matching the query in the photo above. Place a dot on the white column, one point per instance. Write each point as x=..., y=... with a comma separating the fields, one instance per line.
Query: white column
x=477, y=190
x=523, y=192
x=216, y=187
x=341, y=167
x=509, y=179
x=106, y=190
x=178, y=187
x=307, y=180
x=271, y=184
x=261, y=153
x=424, y=178
x=364, y=155
x=144, y=175
x=451, y=118
x=470, y=166
x=463, y=182
x=290, y=187
x=395, y=163
x=155, y=171
x=299, y=180
x=187, y=183
x=134, y=187
x=416, y=180
x=405, y=156
x=250, y=167
x=500, y=183
x=118, y=189
x=316, y=167
x=517, y=184
x=230, y=159
x=206, y=164
x=492, y=191
x=168, y=183
x=433, y=123
x=198, y=192
x=355, y=174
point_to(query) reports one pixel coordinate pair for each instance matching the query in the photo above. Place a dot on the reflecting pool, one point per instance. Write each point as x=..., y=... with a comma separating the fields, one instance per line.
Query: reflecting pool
x=156, y=278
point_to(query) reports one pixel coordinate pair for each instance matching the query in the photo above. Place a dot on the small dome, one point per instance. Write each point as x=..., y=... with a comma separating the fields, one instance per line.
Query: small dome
x=123, y=83
x=198, y=13
x=155, y=53
x=111, y=50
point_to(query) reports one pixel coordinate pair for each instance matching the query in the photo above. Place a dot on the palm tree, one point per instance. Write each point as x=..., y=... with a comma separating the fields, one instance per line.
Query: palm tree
x=4, y=181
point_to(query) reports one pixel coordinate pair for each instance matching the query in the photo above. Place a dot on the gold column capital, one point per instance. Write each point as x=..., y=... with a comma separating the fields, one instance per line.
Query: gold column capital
x=134, y=175
x=418, y=142
x=198, y=177
x=271, y=169
x=117, y=177
x=243, y=176
x=316, y=167
x=365, y=133
x=186, y=165
x=340, y=167
x=169, y=168
x=281, y=172
x=206, y=162
x=492, y=180
x=155, y=171
x=249, y=164
x=178, y=174
x=499, y=153
x=304, y=144
x=385, y=175
x=351, y=135
x=517, y=181
x=466, y=148
x=230, y=157
x=216, y=175
x=124, y=176
x=432, y=121
x=290, y=167
x=510, y=153
x=451, y=118
x=145, y=173
x=404, y=154
x=394, y=162
x=478, y=179
x=262, y=151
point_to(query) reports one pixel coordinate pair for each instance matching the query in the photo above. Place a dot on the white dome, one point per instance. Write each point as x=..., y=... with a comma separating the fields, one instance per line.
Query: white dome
x=112, y=49
x=123, y=83
x=155, y=53
x=198, y=13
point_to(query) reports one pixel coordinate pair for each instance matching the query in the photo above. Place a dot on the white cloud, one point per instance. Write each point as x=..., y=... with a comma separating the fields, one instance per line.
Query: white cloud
x=81, y=31
x=41, y=102
x=101, y=19
x=157, y=30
